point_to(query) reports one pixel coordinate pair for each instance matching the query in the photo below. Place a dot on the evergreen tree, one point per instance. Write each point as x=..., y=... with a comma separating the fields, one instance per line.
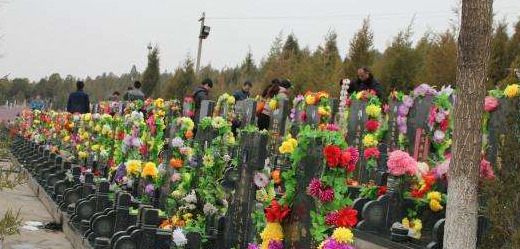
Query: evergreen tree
x=183, y=80
x=514, y=47
x=151, y=76
x=400, y=67
x=499, y=60
x=291, y=47
x=361, y=51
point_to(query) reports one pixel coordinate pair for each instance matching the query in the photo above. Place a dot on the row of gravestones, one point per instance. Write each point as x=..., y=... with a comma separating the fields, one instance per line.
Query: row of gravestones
x=236, y=228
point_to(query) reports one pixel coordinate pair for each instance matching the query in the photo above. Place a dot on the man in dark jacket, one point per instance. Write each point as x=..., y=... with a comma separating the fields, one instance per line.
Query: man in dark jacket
x=78, y=100
x=244, y=93
x=366, y=81
x=201, y=93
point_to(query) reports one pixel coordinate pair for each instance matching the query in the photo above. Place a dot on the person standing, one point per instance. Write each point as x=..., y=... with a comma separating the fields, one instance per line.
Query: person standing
x=125, y=96
x=244, y=93
x=136, y=93
x=201, y=93
x=285, y=85
x=264, y=113
x=114, y=96
x=78, y=100
x=37, y=103
x=366, y=81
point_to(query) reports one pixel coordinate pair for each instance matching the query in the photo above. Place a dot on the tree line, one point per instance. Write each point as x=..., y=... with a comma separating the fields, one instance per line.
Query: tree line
x=402, y=65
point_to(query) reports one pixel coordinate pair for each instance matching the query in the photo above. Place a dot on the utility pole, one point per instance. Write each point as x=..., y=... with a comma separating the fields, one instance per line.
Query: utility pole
x=204, y=32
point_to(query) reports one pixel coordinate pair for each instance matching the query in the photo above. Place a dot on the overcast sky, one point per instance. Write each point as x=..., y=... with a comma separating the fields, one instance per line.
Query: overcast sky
x=89, y=37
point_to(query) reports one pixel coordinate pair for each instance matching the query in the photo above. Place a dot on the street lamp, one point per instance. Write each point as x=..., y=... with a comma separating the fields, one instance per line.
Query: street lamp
x=204, y=32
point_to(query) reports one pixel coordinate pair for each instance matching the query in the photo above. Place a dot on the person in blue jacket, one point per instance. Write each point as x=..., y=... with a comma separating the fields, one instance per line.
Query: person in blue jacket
x=78, y=100
x=37, y=103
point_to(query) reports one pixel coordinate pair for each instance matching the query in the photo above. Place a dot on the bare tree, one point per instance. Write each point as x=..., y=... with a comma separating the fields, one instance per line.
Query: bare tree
x=473, y=58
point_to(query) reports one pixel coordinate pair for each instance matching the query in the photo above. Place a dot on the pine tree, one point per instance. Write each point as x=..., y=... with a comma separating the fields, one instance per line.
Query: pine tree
x=151, y=75
x=291, y=47
x=514, y=47
x=183, y=80
x=361, y=51
x=499, y=60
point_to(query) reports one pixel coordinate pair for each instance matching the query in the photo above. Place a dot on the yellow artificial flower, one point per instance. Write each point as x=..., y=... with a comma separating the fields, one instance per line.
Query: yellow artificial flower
x=322, y=111
x=369, y=141
x=230, y=99
x=96, y=147
x=434, y=195
x=272, y=231
x=435, y=205
x=133, y=167
x=150, y=170
x=310, y=99
x=66, y=139
x=343, y=235
x=273, y=104
x=373, y=111
x=82, y=155
x=160, y=113
x=87, y=117
x=358, y=95
x=512, y=90
x=159, y=103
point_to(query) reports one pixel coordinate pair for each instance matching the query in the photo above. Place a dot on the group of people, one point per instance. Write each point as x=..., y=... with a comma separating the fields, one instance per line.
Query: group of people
x=79, y=100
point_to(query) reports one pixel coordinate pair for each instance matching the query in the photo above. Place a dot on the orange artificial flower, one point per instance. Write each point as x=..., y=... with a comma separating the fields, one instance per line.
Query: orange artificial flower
x=275, y=174
x=176, y=163
x=189, y=134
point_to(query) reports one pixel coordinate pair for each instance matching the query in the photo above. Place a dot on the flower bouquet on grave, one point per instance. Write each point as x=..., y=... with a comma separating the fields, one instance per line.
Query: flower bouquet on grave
x=224, y=105
x=188, y=107
x=372, y=191
x=402, y=168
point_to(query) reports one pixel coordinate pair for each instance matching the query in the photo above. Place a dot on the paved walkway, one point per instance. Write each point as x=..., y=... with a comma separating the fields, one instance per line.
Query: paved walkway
x=22, y=197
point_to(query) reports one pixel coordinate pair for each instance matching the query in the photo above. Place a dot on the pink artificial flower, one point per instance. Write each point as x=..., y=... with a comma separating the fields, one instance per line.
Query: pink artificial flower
x=486, y=171
x=401, y=163
x=331, y=127
x=490, y=103
x=442, y=168
x=326, y=195
x=314, y=187
x=431, y=118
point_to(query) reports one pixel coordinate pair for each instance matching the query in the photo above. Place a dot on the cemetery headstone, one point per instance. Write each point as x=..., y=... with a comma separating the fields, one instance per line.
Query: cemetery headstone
x=239, y=230
x=417, y=128
x=245, y=111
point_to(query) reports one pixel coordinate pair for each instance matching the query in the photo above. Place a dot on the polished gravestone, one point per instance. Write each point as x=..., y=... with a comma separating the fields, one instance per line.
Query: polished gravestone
x=239, y=228
x=245, y=112
x=498, y=128
x=299, y=223
x=90, y=205
x=147, y=236
x=73, y=195
x=417, y=123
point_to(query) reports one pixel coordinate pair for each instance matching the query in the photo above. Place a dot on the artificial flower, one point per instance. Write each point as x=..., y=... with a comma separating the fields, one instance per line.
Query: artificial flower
x=150, y=170
x=179, y=238
x=326, y=195
x=276, y=212
x=273, y=104
x=490, y=103
x=209, y=209
x=314, y=187
x=177, y=142
x=261, y=180
x=208, y=160
x=372, y=152
x=272, y=231
x=512, y=91
x=486, y=171
x=435, y=205
x=370, y=140
x=332, y=155
x=343, y=235
x=176, y=163
x=371, y=125
x=373, y=110
x=133, y=167
x=400, y=163
x=276, y=176
x=347, y=217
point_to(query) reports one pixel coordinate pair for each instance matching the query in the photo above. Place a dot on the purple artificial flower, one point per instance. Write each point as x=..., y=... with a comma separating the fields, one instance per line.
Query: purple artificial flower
x=333, y=244
x=314, y=187
x=408, y=101
x=440, y=116
x=175, y=177
x=438, y=136
x=403, y=110
x=149, y=189
x=253, y=246
x=273, y=244
x=120, y=172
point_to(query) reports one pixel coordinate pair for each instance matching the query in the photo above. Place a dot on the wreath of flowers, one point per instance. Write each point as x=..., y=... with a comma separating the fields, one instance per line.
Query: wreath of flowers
x=224, y=101
x=439, y=122
x=408, y=101
x=188, y=107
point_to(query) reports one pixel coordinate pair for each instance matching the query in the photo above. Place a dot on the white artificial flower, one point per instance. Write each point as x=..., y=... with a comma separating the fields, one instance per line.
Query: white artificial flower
x=190, y=198
x=209, y=209
x=178, y=237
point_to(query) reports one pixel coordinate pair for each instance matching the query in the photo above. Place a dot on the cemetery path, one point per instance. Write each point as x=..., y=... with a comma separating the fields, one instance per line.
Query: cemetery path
x=23, y=198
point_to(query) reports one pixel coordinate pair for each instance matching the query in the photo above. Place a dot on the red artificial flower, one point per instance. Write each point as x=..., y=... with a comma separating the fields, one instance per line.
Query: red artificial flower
x=445, y=123
x=143, y=149
x=347, y=217
x=276, y=212
x=332, y=155
x=381, y=191
x=121, y=135
x=303, y=116
x=351, y=167
x=345, y=158
x=97, y=173
x=429, y=179
x=371, y=152
x=372, y=125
